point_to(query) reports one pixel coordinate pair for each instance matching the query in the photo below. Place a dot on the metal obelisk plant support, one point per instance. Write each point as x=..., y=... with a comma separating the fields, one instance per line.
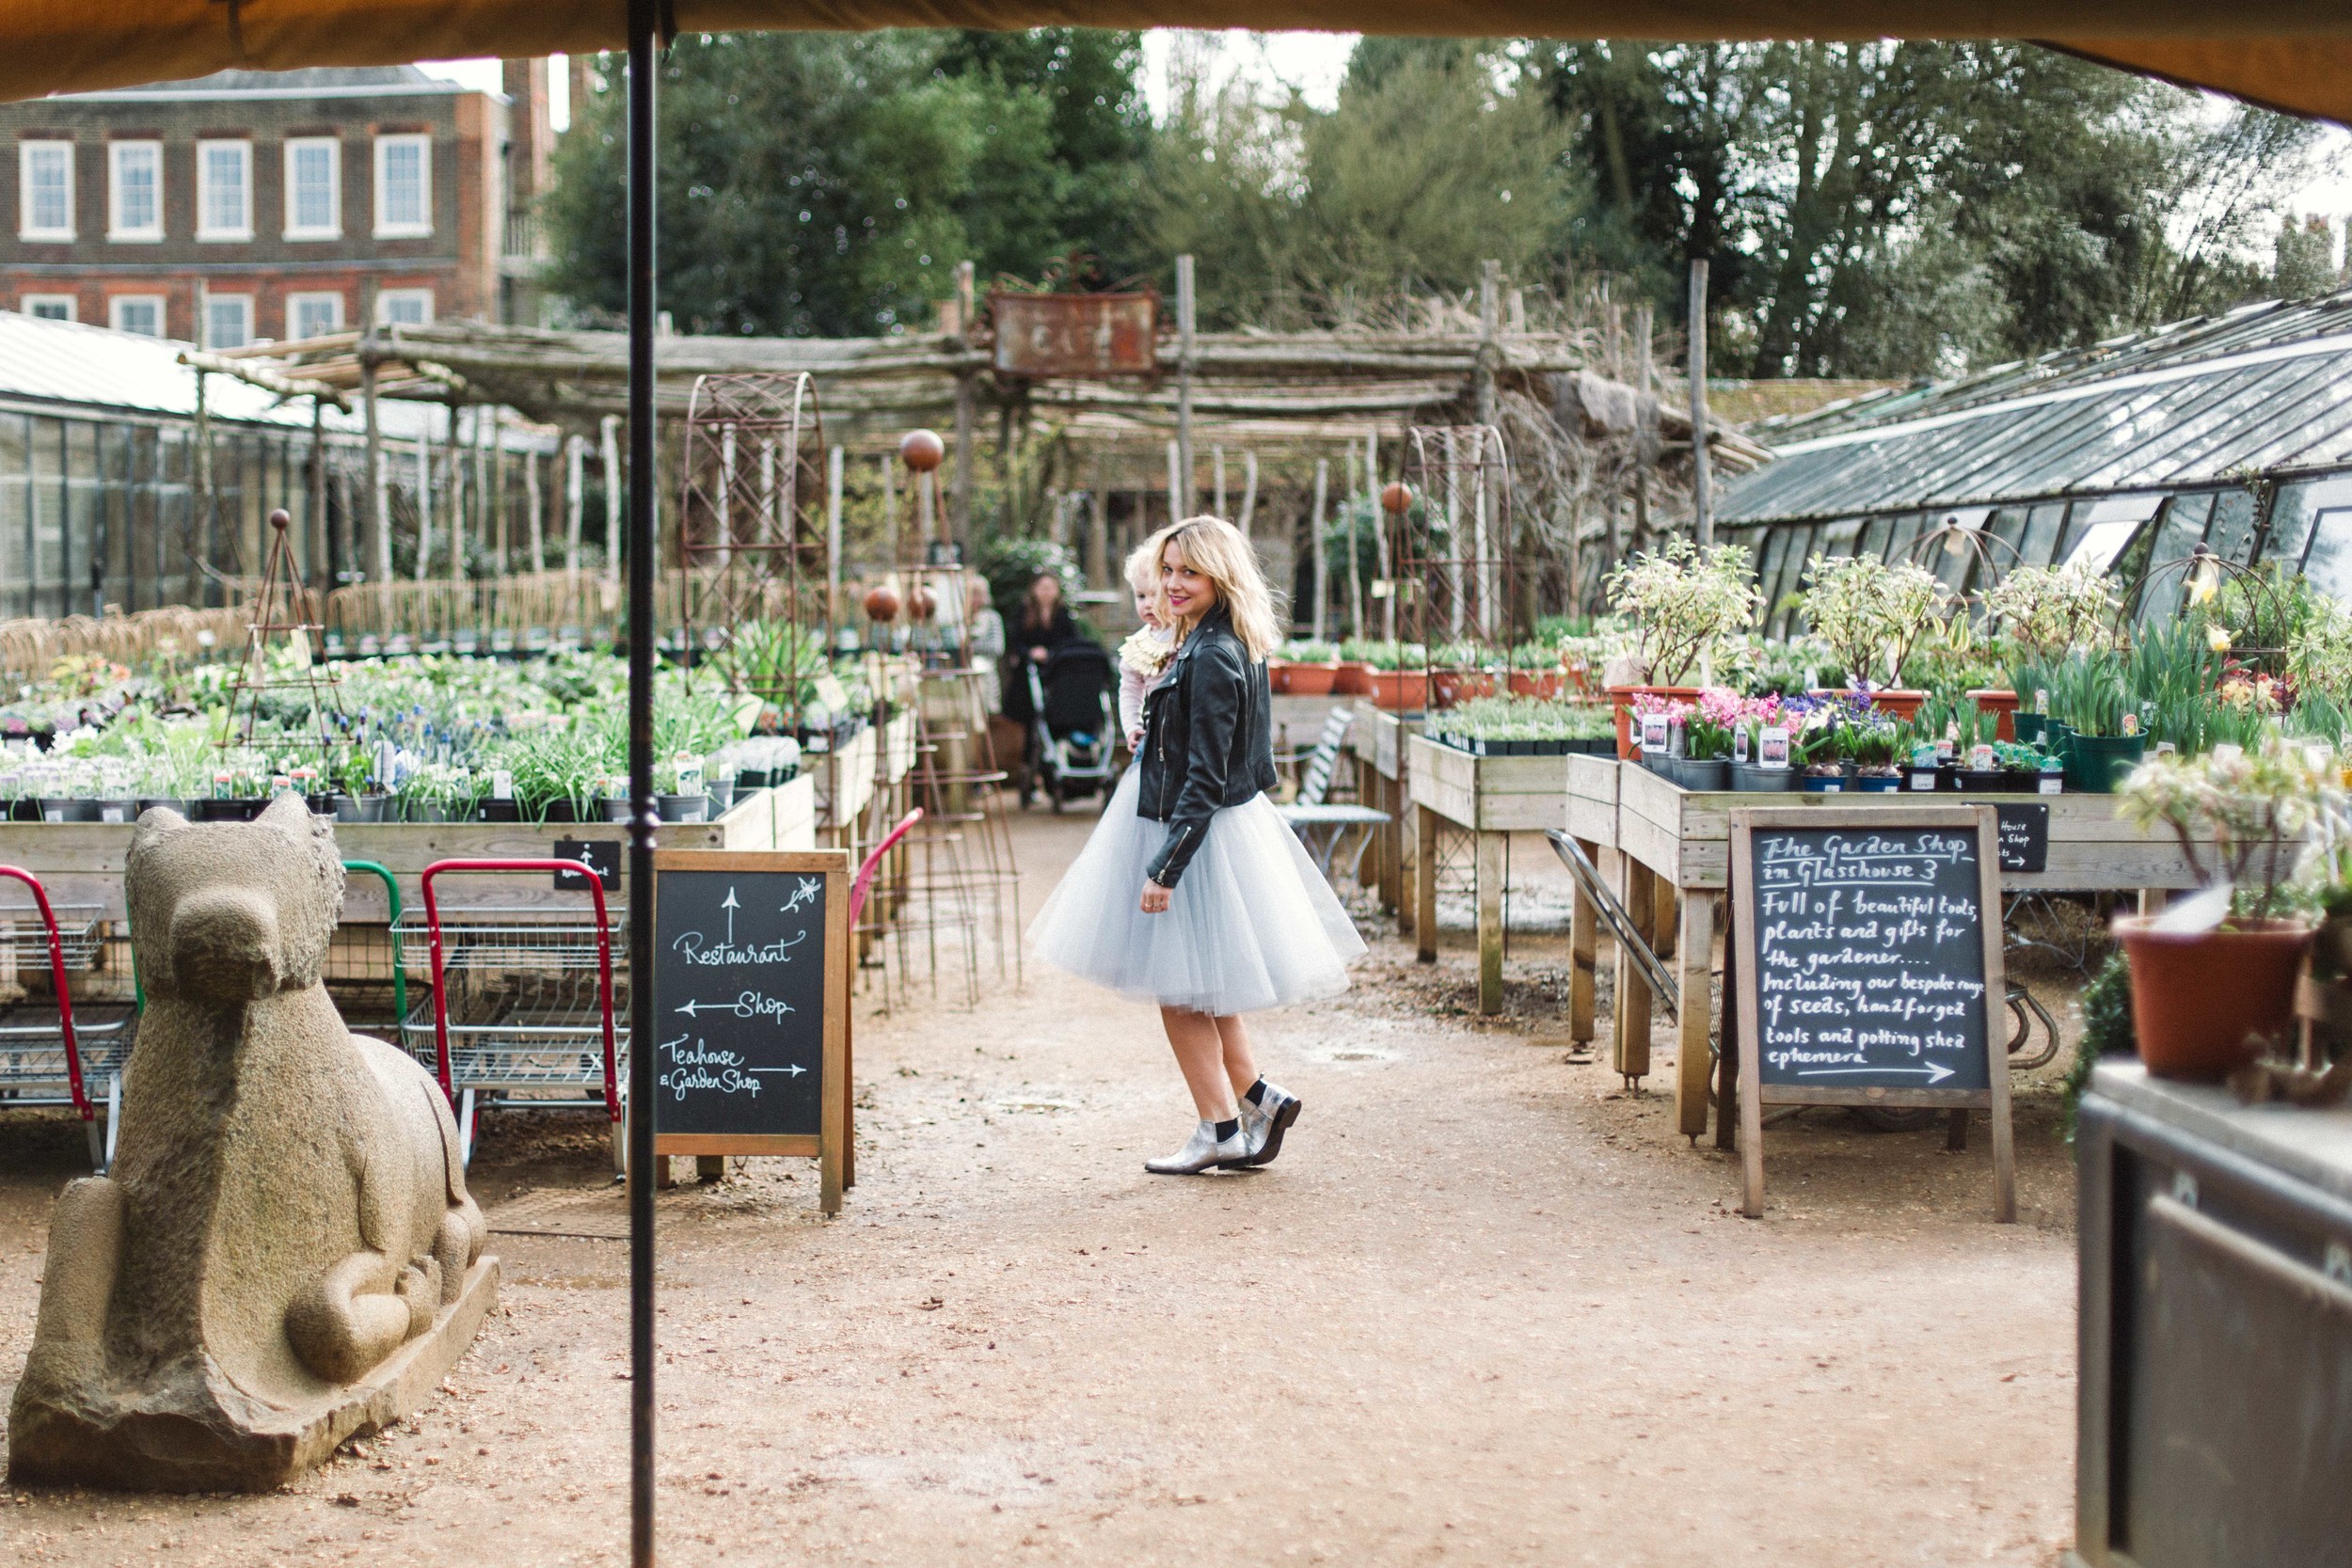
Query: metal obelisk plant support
x=283, y=608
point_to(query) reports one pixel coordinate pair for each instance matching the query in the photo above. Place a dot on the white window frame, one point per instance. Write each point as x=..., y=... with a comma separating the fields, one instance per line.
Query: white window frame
x=333, y=228
x=294, y=301
x=213, y=301
x=27, y=305
x=384, y=305
x=28, y=152
x=113, y=312
x=205, y=227
x=384, y=229
x=145, y=233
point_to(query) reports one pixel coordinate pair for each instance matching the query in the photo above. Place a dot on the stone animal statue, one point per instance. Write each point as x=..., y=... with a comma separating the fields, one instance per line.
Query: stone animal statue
x=284, y=1253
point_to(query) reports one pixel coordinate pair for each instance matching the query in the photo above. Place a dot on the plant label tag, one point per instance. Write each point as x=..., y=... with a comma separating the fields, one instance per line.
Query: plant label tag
x=2041, y=701
x=1739, y=746
x=1772, y=746
x=502, y=784
x=2229, y=750
x=1980, y=759
x=1923, y=781
x=1654, y=734
x=2131, y=726
x=2051, y=784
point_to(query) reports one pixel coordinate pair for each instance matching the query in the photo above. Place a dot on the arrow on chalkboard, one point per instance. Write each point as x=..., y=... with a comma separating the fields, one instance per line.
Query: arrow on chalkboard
x=730, y=905
x=795, y=1069
x=690, y=1008
x=1935, y=1071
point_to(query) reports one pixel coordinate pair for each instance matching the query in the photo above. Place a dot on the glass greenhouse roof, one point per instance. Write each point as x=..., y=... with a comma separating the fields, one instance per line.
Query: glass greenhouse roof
x=2264, y=390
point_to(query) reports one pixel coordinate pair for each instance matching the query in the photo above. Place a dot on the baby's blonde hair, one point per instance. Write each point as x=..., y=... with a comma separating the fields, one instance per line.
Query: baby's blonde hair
x=1143, y=564
x=1223, y=554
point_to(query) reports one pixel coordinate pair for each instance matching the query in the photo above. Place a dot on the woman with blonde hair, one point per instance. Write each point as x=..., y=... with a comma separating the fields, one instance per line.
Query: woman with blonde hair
x=1204, y=901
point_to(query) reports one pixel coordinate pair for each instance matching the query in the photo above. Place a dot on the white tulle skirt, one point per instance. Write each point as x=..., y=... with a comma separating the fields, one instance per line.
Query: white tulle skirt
x=1251, y=925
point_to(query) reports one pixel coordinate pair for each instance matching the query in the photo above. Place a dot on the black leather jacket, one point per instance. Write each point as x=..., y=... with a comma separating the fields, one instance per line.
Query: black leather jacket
x=1206, y=742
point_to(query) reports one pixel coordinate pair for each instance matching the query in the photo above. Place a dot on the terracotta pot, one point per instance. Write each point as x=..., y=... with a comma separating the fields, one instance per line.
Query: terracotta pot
x=2192, y=1024
x=1451, y=687
x=1995, y=700
x=1277, y=675
x=1313, y=680
x=1623, y=696
x=1400, y=690
x=1535, y=683
x=1898, y=705
x=1353, y=678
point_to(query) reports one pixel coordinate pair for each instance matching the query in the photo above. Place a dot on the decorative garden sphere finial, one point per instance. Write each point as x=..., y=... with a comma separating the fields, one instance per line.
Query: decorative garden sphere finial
x=1395, y=498
x=881, y=604
x=279, y=520
x=922, y=450
x=922, y=604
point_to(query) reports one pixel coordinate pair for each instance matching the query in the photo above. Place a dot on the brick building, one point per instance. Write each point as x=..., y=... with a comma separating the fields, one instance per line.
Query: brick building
x=274, y=204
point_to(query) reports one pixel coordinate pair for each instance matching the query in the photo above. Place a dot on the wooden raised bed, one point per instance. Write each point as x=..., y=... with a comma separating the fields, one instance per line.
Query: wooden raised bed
x=1492, y=797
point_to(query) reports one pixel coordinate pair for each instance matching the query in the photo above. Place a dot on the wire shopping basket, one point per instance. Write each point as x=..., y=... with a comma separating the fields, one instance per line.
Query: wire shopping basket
x=523, y=1011
x=48, y=1054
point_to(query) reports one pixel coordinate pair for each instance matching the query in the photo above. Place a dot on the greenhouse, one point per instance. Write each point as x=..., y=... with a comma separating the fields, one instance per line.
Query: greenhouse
x=2231, y=432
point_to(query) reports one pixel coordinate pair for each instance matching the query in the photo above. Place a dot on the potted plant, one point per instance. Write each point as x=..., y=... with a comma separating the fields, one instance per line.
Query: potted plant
x=1400, y=677
x=1868, y=738
x=2213, y=979
x=2043, y=611
x=1534, y=671
x=1313, y=666
x=1352, y=675
x=1707, y=730
x=2102, y=742
x=1682, y=605
x=1872, y=616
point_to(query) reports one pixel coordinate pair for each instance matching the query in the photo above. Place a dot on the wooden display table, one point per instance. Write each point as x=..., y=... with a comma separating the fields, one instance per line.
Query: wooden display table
x=1492, y=797
x=1380, y=739
x=844, y=782
x=1683, y=838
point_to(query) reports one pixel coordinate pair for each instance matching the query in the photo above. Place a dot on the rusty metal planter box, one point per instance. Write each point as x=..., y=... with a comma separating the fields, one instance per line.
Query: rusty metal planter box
x=1075, y=335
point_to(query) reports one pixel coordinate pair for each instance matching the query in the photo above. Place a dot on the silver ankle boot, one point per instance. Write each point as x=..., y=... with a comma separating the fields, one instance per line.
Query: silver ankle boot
x=1205, y=1151
x=1264, y=1124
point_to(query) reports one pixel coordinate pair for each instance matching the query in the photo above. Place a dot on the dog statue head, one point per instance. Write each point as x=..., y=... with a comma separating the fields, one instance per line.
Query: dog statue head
x=233, y=912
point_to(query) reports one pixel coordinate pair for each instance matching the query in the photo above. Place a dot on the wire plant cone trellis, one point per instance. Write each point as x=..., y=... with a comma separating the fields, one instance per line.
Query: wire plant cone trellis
x=752, y=541
x=282, y=607
x=1456, y=566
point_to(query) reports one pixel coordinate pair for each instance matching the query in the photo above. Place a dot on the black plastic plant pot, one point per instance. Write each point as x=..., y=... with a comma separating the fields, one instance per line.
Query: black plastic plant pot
x=560, y=809
x=1923, y=781
x=1878, y=783
x=748, y=779
x=499, y=811
x=1983, y=781
x=685, y=808
x=168, y=802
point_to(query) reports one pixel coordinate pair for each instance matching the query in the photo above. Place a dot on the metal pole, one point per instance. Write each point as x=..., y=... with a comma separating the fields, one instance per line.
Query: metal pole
x=640, y=827
x=1181, y=506
x=1320, y=558
x=1702, y=509
x=836, y=463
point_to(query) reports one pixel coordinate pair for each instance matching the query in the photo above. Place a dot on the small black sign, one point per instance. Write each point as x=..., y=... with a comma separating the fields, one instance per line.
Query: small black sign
x=1869, y=957
x=2024, y=837
x=739, y=1002
x=603, y=855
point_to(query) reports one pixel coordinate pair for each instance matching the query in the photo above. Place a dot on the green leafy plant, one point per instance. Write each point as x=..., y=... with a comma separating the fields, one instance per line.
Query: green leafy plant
x=2255, y=806
x=1683, y=605
x=2045, y=610
x=2107, y=1031
x=1870, y=614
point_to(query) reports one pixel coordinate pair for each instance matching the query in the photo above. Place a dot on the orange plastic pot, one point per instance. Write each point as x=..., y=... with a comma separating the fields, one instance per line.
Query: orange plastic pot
x=1900, y=706
x=1353, y=678
x=1400, y=690
x=1313, y=680
x=2004, y=704
x=1535, y=683
x=1277, y=675
x=2206, y=1003
x=1623, y=696
x=1450, y=686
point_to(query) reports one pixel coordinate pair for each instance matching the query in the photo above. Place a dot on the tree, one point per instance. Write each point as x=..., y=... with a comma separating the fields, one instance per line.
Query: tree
x=827, y=183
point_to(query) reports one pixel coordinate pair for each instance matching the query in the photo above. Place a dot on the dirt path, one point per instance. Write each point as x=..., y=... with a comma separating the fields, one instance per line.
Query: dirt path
x=1485, y=1309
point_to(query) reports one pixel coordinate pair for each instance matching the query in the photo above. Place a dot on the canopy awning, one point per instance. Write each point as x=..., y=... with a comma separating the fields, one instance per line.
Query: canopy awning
x=2291, y=55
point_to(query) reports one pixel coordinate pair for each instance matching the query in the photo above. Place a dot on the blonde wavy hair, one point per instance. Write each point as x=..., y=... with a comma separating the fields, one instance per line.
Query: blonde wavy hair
x=1143, y=563
x=1223, y=554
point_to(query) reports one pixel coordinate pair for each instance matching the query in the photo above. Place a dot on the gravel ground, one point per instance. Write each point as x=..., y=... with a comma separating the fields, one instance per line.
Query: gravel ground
x=1486, y=1308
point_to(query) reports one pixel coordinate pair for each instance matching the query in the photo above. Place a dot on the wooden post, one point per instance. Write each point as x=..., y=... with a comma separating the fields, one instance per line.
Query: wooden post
x=1702, y=508
x=1425, y=885
x=1099, y=528
x=1355, y=561
x=611, y=455
x=1249, y=491
x=1644, y=444
x=1181, y=505
x=379, y=542
x=535, y=503
x=1492, y=848
x=1489, y=329
x=425, y=504
x=318, y=526
x=1380, y=563
x=1319, y=555
x=1635, y=886
x=836, y=461
x=1216, y=458
x=1583, y=953
x=890, y=505
x=967, y=411
x=1693, y=979
x=1176, y=486
x=575, y=498
x=1662, y=929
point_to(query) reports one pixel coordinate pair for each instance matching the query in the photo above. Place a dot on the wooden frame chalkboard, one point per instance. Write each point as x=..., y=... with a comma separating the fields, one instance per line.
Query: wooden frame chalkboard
x=755, y=982
x=1904, y=857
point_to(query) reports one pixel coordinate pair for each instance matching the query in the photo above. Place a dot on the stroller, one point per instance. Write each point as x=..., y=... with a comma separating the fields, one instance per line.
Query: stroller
x=1073, y=724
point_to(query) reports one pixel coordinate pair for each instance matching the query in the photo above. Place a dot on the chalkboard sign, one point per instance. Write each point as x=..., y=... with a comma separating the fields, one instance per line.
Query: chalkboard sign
x=2024, y=837
x=750, y=999
x=1869, y=967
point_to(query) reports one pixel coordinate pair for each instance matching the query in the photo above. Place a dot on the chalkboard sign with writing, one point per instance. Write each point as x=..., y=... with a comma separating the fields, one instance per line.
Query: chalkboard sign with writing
x=1869, y=966
x=750, y=995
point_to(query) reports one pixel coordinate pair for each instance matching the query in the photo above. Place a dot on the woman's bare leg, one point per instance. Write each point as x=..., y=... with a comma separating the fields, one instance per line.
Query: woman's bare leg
x=1241, y=1066
x=1200, y=1050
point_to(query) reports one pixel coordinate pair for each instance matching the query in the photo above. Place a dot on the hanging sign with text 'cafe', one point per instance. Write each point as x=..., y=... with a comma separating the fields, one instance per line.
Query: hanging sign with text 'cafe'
x=751, y=988
x=1869, y=968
